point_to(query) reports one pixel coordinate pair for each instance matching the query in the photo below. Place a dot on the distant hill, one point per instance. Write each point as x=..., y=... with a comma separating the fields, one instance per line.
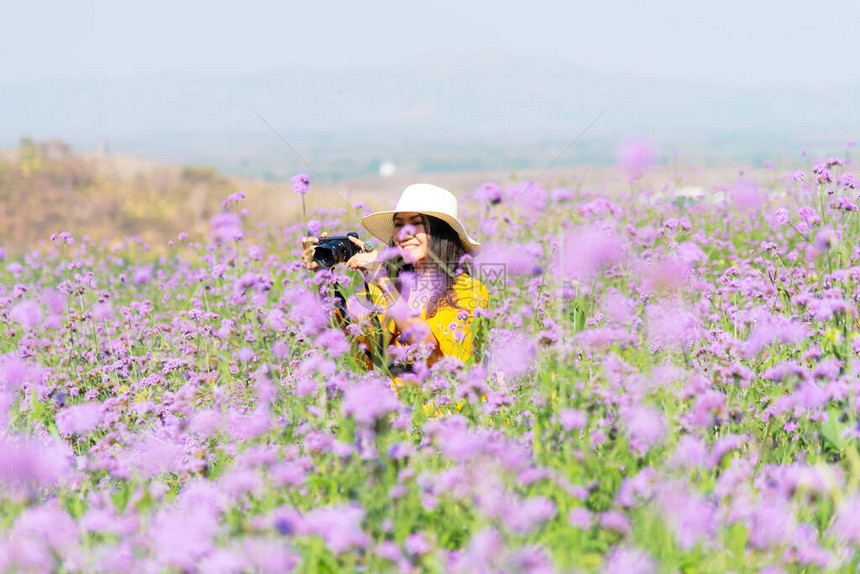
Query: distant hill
x=477, y=112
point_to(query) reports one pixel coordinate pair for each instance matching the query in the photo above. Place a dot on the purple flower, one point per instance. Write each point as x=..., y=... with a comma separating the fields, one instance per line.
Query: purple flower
x=103, y=312
x=844, y=204
x=846, y=525
x=489, y=192
x=823, y=172
x=245, y=427
x=672, y=326
x=599, y=208
x=826, y=239
x=333, y=341
x=645, y=425
x=180, y=536
x=63, y=237
x=708, y=410
x=34, y=462
x=14, y=372
x=572, y=419
x=615, y=520
x=454, y=439
x=226, y=226
x=417, y=544
x=80, y=419
x=27, y=313
x=628, y=561
x=480, y=554
x=300, y=183
x=54, y=300
x=407, y=230
x=239, y=482
x=41, y=533
x=747, y=196
x=581, y=518
x=808, y=215
x=771, y=524
x=561, y=194
x=636, y=489
x=772, y=329
x=828, y=369
x=635, y=156
x=513, y=354
x=506, y=257
x=389, y=550
x=263, y=554
x=691, y=517
x=153, y=455
x=245, y=355
x=532, y=199
x=339, y=526
x=824, y=309
x=142, y=275
x=233, y=198
x=690, y=453
x=255, y=253
x=103, y=520
x=205, y=423
x=523, y=517
x=781, y=216
x=587, y=250
x=367, y=402
x=305, y=309
x=785, y=371
x=314, y=227
x=223, y=561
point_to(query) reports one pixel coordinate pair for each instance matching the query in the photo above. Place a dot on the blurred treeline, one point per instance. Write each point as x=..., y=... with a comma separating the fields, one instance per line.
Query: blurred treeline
x=45, y=188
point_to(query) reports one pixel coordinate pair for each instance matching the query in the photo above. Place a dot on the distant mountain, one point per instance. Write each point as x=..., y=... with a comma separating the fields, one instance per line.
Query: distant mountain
x=444, y=113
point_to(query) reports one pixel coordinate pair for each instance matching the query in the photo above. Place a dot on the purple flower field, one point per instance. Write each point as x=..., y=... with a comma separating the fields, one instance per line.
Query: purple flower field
x=668, y=384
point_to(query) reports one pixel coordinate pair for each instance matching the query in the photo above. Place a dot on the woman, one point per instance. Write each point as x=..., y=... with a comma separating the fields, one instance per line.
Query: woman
x=427, y=295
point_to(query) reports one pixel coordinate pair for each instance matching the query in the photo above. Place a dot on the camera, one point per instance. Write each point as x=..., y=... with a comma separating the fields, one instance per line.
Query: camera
x=333, y=250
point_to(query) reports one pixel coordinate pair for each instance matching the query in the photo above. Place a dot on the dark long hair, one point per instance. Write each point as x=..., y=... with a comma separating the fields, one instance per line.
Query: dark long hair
x=445, y=251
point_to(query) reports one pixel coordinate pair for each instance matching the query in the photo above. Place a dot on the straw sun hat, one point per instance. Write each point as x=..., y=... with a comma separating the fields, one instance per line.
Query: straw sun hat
x=423, y=198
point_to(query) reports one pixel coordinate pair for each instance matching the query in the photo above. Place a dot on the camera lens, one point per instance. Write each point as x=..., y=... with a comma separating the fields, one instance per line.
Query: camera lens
x=325, y=257
x=335, y=250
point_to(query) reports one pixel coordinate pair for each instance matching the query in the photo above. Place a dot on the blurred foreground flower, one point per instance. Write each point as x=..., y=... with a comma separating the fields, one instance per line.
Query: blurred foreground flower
x=635, y=156
x=826, y=239
x=300, y=183
x=226, y=227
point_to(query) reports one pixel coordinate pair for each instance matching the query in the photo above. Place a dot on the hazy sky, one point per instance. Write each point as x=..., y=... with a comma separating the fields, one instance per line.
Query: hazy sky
x=733, y=42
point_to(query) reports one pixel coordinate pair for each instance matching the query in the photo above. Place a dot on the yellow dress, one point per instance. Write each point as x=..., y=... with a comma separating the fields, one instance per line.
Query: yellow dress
x=451, y=326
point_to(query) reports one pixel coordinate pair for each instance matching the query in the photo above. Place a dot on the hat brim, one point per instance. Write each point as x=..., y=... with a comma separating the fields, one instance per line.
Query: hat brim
x=381, y=226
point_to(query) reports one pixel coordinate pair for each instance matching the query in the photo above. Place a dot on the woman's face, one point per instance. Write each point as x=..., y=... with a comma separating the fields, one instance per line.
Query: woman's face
x=412, y=244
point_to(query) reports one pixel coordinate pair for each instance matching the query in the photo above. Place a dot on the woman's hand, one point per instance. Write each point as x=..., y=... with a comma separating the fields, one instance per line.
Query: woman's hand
x=308, y=248
x=365, y=261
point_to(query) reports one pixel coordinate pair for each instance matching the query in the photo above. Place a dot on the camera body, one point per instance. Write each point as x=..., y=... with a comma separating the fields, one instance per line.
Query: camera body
x=333, y=250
